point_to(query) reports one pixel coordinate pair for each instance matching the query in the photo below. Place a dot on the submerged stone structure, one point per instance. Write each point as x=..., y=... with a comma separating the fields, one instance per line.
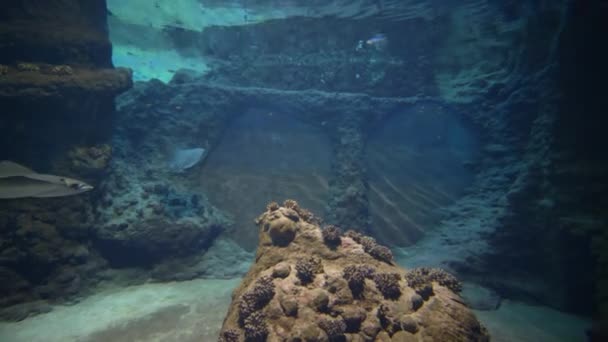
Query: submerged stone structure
x=309, y=283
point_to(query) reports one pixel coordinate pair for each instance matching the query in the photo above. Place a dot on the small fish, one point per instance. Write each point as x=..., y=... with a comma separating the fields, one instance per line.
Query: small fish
x=378, y=41
x=17, y=181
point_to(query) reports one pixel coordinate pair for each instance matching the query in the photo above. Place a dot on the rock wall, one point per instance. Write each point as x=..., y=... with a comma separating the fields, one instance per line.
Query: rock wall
x=553, y=234
x=57, y=89
x=580, y=160
x=559, y=205
x=55, y=32
x=149, y=212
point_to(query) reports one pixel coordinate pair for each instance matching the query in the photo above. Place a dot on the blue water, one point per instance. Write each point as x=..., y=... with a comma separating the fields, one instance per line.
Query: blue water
x=433, y=126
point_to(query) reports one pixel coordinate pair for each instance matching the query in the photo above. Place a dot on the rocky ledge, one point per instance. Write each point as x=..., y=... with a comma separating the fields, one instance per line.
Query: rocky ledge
x=33, y=81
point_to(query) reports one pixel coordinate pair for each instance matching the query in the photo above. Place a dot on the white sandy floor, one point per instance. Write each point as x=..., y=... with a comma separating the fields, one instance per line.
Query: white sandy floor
x=515, y=321
x=182, y=311
x=194, y=311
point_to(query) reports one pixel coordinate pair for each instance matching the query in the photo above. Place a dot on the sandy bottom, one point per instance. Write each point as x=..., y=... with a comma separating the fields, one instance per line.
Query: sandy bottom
x=181, y=311
x=515, y=321
x=194, y=311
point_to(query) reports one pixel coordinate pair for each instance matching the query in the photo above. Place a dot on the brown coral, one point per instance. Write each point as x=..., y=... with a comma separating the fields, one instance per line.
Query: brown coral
x=376, y=250
x=334, y=328
x=381, y=253
x=291, y=204
x=255, y=327
x=255, y=299
x=272, y=206
x=356, y=275
x=304, y=214
x=388, y=284
x=306, y=269
x=332, y=236
x=229, y=335
x=356, y=236
x=337, y=294
x=422, y=277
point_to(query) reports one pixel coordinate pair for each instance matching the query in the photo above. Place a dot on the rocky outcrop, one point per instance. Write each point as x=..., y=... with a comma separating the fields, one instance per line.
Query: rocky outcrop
x=313, y=284
x=57, y=90
x=44, y=250
x=552, y=235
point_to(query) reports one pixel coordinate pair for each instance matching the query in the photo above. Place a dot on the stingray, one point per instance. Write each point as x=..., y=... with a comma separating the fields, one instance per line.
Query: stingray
x=186, y=158
x=17, y=181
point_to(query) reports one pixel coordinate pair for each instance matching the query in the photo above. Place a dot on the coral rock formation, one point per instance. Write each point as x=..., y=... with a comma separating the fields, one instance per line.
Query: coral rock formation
x=339, y=293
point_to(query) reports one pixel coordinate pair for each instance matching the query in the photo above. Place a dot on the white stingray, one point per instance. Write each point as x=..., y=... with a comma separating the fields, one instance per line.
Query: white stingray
x=184, y=159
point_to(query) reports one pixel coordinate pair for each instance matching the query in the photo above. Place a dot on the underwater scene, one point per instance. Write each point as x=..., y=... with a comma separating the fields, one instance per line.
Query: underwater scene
x=303, y=170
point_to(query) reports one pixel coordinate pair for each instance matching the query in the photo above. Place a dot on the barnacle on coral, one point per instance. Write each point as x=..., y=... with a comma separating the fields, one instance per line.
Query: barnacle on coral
x=308, y=216
x=256, y=298
x=263, y=290
x=229, y=335
x=291, y=204
x=367, y=242
x=383, y=315
x=331, y=235
x=306, y=269
x=355, y=276
x=334, y=328
x=371, y=247
x=255, y=327
x=304, y=214
x=382, y=253
x=272, y=206
x=246, y=307
x=420, y=279
x=356, y=236
x=388, y=284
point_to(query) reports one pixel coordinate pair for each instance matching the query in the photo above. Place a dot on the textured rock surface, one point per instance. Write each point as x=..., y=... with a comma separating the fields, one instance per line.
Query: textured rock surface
x=308, y=290
x=57, y=89
x=55, y=31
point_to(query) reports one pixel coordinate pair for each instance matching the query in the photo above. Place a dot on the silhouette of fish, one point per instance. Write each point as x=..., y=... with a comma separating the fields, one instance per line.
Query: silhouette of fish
x=17, y=181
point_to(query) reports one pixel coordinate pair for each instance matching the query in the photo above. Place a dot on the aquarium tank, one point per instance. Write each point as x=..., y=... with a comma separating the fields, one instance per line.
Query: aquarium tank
x=303, y=170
